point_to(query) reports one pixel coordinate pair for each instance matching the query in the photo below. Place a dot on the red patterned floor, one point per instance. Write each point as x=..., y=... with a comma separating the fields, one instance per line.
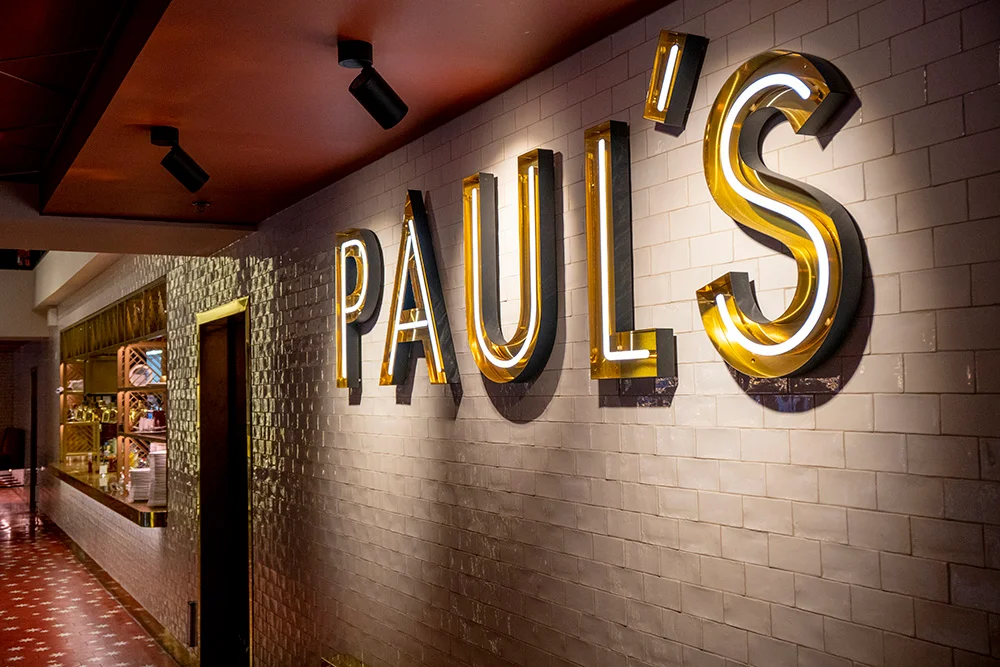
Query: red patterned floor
x=53, y=611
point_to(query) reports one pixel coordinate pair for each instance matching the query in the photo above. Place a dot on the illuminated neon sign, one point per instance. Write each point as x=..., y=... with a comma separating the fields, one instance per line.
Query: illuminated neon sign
x=675, y=74
x=616, y=351
x=818, y=232
x=359, y=258
x=524, y=355
x=418, y=313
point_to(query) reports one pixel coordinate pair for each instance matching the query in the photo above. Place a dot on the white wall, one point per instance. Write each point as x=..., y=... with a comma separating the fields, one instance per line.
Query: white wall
x=17, y=300
x=21, y=226
x=61, y=273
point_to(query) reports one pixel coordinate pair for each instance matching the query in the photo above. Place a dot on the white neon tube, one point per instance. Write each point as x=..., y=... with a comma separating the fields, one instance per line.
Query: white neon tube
x=602, y=201
x=668, y=77
x=823, y=281
x=362, y=268
x=399, y=305
x=344, y=310
x=532, y=277
x=421, y=282
x=397, y=326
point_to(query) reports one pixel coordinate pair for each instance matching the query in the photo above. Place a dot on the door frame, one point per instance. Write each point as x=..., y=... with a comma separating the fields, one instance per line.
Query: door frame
x=234, y=307
x=33, y=446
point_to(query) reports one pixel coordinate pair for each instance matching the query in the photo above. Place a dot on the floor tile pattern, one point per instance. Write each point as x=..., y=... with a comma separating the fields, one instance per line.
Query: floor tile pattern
x=53, y=611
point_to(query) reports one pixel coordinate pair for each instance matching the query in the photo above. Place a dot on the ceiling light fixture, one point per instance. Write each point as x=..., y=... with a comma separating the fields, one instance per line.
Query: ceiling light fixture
x=180, y=165
x=371, y=90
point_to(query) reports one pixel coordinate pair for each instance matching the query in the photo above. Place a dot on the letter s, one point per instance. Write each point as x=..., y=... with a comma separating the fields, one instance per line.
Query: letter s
x=817, y=230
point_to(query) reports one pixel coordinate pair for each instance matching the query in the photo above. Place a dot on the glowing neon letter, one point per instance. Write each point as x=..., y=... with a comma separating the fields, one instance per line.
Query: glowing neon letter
x=676, y=68
x=822, y=237
x=525, y=354
x=358, y=282
x=615, y=350
x=418, y=312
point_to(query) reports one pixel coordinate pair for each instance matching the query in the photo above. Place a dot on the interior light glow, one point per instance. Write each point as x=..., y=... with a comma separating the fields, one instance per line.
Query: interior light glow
x=422, y=284
x=399, y=303
x=521, y=355
x=362, y=269
x=676, y=69
x=358, y=282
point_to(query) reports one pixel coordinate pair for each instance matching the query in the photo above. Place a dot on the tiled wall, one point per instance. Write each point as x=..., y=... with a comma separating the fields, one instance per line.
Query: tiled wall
x=154, y=565
x=847, y=517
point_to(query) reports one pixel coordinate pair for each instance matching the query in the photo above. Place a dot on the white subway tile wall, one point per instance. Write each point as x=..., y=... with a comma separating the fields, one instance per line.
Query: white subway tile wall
x=849, y=517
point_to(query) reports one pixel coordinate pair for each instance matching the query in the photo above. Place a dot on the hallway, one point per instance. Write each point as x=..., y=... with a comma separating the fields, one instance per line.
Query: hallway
x=53, y=611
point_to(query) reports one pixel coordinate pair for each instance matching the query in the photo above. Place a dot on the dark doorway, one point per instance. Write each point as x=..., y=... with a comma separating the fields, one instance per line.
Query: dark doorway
x=226, y=568
x=33, y=445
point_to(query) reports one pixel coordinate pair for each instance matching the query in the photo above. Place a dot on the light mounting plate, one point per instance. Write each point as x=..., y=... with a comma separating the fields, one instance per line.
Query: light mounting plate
x=354, y=53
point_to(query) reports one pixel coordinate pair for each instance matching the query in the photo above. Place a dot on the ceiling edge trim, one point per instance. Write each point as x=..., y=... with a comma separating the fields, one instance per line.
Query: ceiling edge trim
x=131, y=31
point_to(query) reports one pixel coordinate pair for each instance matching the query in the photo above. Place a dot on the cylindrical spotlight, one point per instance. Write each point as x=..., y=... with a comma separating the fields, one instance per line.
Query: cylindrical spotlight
x=378, y=98
x=183, y=167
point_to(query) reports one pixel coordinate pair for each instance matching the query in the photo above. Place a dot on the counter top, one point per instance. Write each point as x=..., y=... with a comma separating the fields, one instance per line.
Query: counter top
x=98, y=487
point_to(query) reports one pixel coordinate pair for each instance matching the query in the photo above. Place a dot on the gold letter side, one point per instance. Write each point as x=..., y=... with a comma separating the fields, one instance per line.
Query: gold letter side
x=358, y=282
x=616, y=351
x=418, y=314
x=522, y=357
x=676, y=68
x=817, y=230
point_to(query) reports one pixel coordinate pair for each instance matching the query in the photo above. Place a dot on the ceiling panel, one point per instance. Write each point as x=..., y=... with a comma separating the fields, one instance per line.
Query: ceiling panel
x=47, y=49
x=23, y=150
x=51, y=26
x=261, y=103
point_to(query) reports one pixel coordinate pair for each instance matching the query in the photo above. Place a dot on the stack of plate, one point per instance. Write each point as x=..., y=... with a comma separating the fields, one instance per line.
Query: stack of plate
x=140, y=480
x=158, y=488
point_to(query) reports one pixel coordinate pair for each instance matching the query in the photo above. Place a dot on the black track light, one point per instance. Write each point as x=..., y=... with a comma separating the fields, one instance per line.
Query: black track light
x=180, y=165
x=375, y=94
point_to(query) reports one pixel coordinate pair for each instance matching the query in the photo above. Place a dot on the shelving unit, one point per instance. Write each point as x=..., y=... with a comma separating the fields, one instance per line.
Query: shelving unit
x=142, y=374
x=115, y=362
x=76, y=438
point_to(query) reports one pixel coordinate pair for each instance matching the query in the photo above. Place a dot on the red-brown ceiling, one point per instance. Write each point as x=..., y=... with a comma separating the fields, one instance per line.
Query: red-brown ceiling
x=47, y=49
x=261, y=103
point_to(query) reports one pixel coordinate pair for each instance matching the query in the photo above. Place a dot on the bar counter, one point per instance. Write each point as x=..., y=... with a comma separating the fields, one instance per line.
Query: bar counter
x=101, y=488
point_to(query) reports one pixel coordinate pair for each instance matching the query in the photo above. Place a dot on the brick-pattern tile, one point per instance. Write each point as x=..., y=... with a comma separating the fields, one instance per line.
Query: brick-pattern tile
x=845, y=517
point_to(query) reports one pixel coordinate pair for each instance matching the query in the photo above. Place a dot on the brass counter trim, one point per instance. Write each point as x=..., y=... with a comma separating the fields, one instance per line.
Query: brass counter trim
x=138, y=513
